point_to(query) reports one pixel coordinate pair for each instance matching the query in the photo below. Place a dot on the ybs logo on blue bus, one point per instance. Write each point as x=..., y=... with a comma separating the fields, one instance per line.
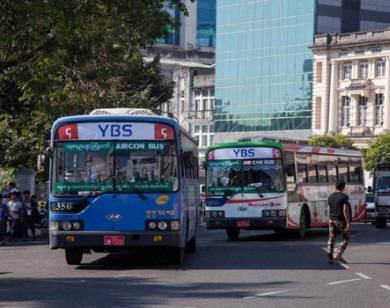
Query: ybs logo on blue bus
x=243, y=153
x=116, y=130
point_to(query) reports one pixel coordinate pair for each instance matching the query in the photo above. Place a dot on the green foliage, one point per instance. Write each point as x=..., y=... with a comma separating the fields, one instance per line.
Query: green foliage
x=6, y=175
x=378, y=152
x=60, y=58
x=339, y=141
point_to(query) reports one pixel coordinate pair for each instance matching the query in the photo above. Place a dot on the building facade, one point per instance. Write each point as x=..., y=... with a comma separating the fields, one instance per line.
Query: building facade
x=351, y=87
x=264, y=68
x=197, y=30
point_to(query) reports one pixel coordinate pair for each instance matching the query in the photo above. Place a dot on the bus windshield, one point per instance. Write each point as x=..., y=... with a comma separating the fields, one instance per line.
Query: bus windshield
x=254, y=175
x=80, y=167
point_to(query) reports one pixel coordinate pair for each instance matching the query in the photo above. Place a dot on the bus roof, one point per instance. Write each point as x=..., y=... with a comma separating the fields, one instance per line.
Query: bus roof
x=288, y=148
x=121, y=114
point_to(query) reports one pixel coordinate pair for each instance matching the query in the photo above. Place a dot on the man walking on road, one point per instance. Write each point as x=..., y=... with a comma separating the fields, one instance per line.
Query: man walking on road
x=339, y=221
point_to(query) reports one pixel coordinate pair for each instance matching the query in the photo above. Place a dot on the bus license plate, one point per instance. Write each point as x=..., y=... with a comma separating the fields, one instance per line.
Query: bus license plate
x=243, y=223
x=115, y=240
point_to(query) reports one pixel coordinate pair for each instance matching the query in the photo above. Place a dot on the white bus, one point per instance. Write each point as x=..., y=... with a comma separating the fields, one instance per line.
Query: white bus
x=283, y=187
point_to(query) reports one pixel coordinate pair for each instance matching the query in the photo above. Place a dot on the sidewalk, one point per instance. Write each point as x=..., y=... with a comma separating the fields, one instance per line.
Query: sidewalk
x=39, y=231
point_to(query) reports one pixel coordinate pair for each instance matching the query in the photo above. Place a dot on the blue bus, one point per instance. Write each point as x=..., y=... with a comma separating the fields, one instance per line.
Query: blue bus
x=120, y=180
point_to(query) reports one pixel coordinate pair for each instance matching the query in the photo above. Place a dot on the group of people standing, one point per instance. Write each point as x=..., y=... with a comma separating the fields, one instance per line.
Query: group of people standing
x=20, y=211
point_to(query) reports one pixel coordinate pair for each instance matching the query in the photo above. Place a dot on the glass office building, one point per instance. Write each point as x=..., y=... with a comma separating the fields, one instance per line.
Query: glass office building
x=263, y=63
x=344, y=16
x=205, y=25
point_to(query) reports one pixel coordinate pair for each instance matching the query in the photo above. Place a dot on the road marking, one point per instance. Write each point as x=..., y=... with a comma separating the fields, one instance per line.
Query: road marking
x=363, y=276
x=385, y=287
x=343, y=265
x=263, y=294
x=343, y=281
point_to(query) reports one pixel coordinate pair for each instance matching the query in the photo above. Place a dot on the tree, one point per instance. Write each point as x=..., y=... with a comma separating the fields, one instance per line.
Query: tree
x=378, y=152
x=339, y=141
x=61, y=58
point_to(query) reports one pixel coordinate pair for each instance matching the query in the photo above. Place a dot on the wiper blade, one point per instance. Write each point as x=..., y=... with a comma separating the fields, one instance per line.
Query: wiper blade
x=122, y=178
x=105, y=181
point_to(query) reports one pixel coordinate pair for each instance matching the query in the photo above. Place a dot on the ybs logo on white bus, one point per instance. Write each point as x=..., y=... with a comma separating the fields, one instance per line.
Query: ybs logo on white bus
x=244, y=152
x=116, y=130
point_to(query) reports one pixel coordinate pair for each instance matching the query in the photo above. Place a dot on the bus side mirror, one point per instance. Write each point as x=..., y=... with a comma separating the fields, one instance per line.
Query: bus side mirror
x=290, y=170
x=43, y=160
x=369, y=189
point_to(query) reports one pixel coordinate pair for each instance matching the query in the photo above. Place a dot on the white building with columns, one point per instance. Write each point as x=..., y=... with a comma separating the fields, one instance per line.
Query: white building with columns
x=351, y=85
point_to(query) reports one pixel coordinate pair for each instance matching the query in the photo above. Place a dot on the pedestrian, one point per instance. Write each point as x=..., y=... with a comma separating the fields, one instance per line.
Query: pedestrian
x=16, y=210
x=11, y=186
x=30, y=214
x=339, y=222
x=4, y=216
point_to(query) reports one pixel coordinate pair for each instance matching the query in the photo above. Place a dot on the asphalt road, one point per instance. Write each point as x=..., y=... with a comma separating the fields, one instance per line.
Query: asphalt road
x=258, y=270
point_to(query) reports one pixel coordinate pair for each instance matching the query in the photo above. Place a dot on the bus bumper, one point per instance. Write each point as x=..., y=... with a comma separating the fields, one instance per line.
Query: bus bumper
x=114, y=241
x=246, y=223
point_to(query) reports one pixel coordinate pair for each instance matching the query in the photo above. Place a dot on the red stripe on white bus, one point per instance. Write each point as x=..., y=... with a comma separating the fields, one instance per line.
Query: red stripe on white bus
x=251, y=200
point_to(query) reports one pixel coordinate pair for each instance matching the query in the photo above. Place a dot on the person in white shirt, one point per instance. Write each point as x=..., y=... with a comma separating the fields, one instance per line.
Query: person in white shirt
x=15, y=209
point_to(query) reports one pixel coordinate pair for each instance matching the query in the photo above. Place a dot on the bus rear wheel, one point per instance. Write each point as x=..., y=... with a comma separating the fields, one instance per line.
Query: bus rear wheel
x=233, y=233
x=73, y=256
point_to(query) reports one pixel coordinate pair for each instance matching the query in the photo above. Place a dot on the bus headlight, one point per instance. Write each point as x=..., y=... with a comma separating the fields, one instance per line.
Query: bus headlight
x=66, y=225
x=215, y=214
x=274, y=213
x=152, y=225
x=162, y=225
x=175, y=225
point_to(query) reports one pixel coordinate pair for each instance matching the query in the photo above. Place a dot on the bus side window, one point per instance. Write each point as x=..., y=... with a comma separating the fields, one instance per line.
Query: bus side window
x=343, y=173
x=312, y=174
x=302, y=173
x=322, y=174
x=332, y=174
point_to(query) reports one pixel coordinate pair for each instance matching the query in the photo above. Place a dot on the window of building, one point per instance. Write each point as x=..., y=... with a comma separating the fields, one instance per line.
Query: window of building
x=173, y=36
x=197, y=105
x=363, y=69
x=319, y=72
x=346, y=111
x=347, y=70
x=203, y=103
x=318, y=113
x=380, y=68
x=204, y=134
x=362, y=110
x=206, y=23
x=379, y=109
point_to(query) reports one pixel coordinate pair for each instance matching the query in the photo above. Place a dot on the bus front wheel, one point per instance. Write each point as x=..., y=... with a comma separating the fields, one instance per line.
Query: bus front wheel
x=73, y=256
x=176, y=255
x=380, y=223
x=191, y=246
x=233, y=233
x=303, y=220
